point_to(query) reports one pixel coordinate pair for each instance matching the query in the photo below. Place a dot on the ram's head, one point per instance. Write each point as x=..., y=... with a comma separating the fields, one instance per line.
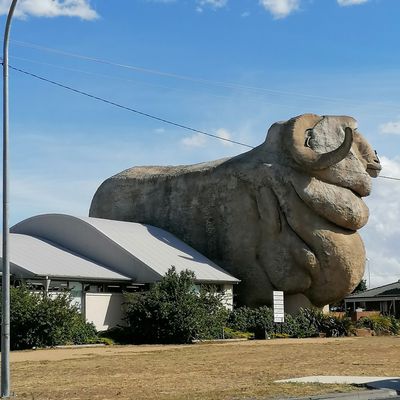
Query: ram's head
x=320, y=167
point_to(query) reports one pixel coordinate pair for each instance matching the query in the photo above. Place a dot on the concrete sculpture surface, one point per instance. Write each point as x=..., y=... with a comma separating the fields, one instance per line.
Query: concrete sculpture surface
x=282, y=216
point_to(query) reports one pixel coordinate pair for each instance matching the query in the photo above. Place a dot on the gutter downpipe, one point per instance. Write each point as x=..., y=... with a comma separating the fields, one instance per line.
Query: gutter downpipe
x=5, y=322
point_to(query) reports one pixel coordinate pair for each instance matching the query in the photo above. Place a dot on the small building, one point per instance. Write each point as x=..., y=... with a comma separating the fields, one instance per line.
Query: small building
x=98, y=259
x=384, y=299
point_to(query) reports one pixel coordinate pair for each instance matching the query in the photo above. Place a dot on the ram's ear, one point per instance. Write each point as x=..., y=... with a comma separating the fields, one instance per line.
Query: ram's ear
x=301, y=129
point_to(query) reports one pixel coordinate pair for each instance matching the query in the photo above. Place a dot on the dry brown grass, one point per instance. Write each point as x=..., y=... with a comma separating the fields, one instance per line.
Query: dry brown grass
x=234, y=370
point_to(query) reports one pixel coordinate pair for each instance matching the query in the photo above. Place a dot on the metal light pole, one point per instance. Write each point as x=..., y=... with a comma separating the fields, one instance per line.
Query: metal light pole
x=5, y=305
x=369, y=273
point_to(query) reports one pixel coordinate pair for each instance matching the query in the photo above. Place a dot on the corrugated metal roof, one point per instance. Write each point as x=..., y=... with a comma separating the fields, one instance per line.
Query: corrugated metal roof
x=159, y=249
x=142, y=252
x=392, y=289
x=42, y=258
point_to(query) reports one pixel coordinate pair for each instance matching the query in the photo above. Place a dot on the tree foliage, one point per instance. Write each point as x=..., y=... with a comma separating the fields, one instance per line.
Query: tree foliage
x=361, y=287
x=37, y=320
x=172, y=311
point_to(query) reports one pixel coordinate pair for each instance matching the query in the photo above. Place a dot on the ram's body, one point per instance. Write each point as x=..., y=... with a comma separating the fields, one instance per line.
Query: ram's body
x=282, y=216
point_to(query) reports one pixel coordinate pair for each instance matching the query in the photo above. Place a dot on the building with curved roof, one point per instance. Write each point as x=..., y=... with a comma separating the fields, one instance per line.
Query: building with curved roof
x=97, y=259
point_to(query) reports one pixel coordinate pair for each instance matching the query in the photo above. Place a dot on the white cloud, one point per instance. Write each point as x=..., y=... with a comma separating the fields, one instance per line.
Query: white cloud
x=199, y=140
x=382, y=233
x=213, y=3
x=280, y=8
x=390, y=128
x=345, y=3
x=381, y=269
x=51, y=8
x=245, y=14
x=224, y=134
x=210, y=3
x=196, y=140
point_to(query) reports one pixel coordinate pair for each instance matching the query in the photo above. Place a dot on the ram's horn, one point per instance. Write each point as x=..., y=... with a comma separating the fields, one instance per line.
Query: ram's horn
x=307, y=157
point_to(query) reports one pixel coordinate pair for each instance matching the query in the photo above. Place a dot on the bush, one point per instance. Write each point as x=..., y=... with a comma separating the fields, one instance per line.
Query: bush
x=395, y=325
x=39, y=321
x=213, y=315
x=241, y=319
x=381, y=325
x=264, y=325
x=117, y=334
x=328, y=324
x=259, y=321
x=230, y=333
x=300, y=326
x=308, y=323
x=172, y=312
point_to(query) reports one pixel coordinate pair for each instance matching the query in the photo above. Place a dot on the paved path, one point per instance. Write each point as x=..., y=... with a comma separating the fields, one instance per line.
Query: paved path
x=375, y=382
x=377, y=394
x=385, y=387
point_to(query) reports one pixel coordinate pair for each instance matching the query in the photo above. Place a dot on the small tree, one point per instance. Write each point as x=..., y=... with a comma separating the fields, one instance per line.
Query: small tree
x=173, y=312
x=361, y=287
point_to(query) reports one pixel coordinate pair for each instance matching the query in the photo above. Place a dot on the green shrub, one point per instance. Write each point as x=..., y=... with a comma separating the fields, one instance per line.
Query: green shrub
x=117, y=334
x=107, y=341
x=307, y=323
x=296, y=326
x=300, y=326
x=328, y=324
x=39, y=321
x=264, y=325
x=280, y=336
x=395, y=325
x=259, y=321
x=230, y=333
x=212, y=314
x=242, y=319
x=172, y=312
x=380, y=324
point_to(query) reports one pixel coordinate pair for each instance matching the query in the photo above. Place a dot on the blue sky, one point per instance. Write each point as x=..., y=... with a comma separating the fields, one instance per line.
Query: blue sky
x=230, y=68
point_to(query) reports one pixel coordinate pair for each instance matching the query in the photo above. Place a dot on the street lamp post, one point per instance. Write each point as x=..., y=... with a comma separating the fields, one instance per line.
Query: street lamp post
x=369, y=272
x=5, y=305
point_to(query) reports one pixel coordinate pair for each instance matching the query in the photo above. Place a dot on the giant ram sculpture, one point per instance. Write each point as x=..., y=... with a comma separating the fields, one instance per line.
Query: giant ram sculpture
x=282, y=216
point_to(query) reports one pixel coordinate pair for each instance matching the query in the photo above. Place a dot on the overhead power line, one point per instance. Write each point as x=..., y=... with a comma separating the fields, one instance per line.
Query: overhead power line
x=144, y=114
x=127, y=108
x=229, y=85
x=389, y=177
x=138, y=82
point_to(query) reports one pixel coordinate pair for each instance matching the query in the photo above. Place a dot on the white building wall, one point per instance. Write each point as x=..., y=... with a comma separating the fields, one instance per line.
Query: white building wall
x=104, y=310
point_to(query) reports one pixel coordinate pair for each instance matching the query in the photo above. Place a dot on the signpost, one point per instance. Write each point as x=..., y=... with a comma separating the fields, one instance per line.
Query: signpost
x=279, y=306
